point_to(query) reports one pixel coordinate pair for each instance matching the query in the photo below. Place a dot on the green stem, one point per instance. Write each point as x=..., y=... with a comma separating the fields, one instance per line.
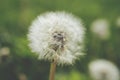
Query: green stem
x=52, y=70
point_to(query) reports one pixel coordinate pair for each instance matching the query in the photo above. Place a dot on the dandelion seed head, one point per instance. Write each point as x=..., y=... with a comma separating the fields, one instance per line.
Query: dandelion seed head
x=57, y=35
x=103, y=70
x=101, y=28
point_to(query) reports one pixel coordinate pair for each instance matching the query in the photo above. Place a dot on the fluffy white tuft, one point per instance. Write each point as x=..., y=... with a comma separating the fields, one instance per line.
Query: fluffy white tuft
x=103, y=70
x=43, y=41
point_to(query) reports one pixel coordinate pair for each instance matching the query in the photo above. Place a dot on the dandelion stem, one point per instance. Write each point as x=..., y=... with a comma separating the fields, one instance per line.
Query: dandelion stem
x=52, y=70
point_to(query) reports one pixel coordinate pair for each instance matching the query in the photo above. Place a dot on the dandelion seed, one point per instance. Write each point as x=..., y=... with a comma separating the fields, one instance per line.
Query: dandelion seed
x=103, y=70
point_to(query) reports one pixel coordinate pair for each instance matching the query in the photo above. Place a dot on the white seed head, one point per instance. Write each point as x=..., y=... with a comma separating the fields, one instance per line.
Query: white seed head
x=101, y=28
x=103, y=70
x=57, y=35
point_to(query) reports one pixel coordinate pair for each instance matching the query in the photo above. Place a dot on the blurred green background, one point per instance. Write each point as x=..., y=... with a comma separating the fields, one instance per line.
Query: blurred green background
x=16, y=17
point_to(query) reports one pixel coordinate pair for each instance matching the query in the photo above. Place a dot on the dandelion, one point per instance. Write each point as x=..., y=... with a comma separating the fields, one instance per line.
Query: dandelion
x=57, y=37
x=101, y=28
x=103, y=70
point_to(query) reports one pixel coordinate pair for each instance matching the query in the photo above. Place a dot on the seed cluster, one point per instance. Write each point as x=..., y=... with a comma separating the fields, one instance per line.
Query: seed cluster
x=59, y=39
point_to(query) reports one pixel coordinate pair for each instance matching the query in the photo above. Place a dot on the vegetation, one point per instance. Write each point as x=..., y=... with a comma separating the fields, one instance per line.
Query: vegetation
x=16, y=17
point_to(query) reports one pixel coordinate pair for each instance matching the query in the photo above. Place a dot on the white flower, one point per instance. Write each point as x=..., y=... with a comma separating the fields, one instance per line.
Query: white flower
x=103, y=70
x=101, y=28
x=57, y=35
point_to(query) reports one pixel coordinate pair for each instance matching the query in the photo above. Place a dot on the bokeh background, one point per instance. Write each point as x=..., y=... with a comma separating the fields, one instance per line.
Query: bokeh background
x=17, y=62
